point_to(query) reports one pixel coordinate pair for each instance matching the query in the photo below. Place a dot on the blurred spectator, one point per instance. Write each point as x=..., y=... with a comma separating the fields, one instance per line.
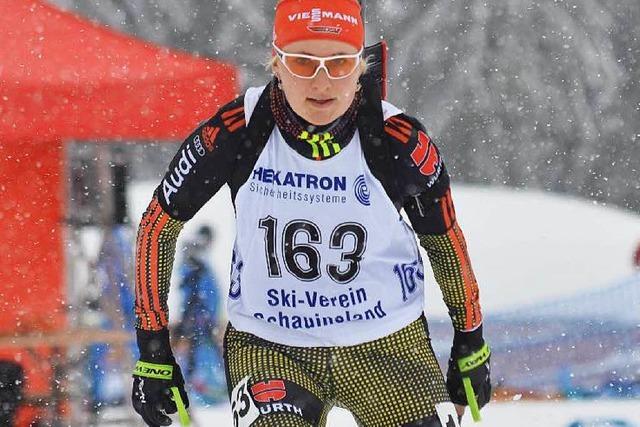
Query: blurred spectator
x=636, y=257
x=112, y=310
x=199, y=328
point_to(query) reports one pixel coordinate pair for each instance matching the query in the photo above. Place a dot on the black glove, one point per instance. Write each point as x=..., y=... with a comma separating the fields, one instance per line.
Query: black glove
x=470, y=357
x=154, y=375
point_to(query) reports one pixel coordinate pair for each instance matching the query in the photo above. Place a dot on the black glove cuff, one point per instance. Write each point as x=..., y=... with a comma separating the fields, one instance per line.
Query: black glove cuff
x=154, y=346
x=465, y=343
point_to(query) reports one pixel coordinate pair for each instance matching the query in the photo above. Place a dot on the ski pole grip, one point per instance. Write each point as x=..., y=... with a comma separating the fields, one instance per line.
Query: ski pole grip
x=467, y=364
x=185, y=421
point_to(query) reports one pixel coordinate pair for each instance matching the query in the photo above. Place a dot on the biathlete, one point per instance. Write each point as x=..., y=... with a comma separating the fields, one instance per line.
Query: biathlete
x=325, y=301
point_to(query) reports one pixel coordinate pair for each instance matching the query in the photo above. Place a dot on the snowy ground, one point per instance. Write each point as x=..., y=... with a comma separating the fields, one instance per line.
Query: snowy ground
x=592, y=413
x=529, y=246
x=503, y=414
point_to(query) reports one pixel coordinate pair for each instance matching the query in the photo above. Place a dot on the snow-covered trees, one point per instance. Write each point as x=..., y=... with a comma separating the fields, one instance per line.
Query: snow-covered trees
x=537, y=94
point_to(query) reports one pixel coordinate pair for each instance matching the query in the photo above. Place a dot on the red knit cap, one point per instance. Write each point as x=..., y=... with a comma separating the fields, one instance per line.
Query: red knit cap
x=318, y=19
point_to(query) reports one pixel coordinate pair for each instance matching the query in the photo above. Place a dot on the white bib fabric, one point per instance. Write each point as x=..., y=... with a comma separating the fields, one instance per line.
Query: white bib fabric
x=322, y=257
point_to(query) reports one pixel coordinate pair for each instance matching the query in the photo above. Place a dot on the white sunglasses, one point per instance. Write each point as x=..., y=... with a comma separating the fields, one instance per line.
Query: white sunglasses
x=308, y=66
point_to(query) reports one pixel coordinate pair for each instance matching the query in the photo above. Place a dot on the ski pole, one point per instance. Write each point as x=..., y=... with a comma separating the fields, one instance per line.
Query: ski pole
x=185, y=421
x=471, y=399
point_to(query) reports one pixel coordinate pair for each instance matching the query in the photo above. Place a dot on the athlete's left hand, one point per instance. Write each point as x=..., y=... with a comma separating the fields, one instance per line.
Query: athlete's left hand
x=470, y=358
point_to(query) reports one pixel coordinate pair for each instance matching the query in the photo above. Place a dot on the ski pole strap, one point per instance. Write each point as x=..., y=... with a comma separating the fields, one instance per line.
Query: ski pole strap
x=153, y=370
x=474, y=360
x=185, y=421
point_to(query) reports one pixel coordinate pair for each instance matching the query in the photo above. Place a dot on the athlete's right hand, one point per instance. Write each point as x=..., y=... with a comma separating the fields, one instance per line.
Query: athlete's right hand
x=155, y=374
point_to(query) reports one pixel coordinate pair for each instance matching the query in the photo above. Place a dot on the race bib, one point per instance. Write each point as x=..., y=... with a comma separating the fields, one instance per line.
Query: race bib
x=243, y=407
x=447, y=414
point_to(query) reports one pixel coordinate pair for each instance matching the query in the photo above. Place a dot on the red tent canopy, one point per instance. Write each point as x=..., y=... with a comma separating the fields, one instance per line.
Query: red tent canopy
x=61, y=75
x=61, y=78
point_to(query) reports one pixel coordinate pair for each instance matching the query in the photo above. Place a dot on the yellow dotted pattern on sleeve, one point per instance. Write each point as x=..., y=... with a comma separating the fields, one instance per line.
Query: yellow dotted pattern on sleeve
x=452, y=269
x=155, y=252
x=391, y=381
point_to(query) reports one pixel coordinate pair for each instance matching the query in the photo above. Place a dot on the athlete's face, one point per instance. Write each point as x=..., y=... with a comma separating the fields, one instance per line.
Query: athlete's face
x=319, y=100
